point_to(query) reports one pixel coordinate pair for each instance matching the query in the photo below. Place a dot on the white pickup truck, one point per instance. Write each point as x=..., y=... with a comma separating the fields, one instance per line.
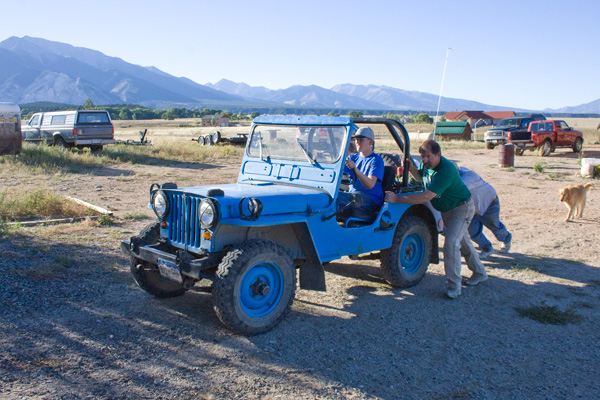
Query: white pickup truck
x=81, y=128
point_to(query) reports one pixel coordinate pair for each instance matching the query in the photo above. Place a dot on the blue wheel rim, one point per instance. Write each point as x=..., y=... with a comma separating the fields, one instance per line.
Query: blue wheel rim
x=412, y=253
x=260, y=305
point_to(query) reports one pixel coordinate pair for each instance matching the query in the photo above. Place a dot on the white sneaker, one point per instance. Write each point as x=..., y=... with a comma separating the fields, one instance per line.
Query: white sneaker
x=476, y=279
x=505, y=248
x=452, y=294
x=485, y=254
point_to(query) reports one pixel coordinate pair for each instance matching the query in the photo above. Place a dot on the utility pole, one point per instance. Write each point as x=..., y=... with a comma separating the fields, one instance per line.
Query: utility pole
x=441, y=88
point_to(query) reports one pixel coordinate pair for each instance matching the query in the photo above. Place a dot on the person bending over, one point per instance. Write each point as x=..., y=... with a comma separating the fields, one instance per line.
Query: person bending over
x=451, y=197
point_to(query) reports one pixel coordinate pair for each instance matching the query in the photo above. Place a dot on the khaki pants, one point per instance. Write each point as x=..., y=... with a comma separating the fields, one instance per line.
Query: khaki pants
x=457, y=242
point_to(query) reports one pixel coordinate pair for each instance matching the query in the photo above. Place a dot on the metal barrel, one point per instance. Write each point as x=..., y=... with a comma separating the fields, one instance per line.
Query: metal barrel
x=506, y=155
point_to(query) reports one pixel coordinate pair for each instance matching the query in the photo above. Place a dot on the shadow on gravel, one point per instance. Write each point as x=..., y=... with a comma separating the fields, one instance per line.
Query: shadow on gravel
x=565, y=269
x=415, y=343
x=84, y=330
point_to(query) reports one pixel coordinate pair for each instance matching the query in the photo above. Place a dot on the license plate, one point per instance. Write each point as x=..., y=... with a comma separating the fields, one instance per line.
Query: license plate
x=96, y=141
x=169, y=270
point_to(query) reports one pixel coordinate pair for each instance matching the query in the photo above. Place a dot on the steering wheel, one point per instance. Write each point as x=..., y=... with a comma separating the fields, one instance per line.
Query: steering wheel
x=348, y=179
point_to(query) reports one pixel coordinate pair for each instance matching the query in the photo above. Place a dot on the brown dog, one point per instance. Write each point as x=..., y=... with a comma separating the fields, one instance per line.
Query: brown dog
x=574, y=197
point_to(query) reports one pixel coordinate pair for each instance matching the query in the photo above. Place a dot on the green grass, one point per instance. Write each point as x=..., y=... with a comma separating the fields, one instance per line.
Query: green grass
x=549, y=314
x=557, y=176
x=135, y=216
x=65, y=261
x=20, y=206
x=105, y=220
x=539, y=167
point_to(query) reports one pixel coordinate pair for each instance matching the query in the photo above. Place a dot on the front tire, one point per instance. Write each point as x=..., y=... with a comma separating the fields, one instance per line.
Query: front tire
x=255, y=287
x=578, y=145
x=489, y=146
x=146, y=275
x=404, y=264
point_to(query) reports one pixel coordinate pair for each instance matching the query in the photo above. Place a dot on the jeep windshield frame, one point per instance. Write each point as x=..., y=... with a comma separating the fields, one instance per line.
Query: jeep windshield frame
x=317, y=144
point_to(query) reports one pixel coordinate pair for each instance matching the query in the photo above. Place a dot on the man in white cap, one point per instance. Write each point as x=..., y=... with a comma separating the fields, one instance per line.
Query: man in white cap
x=367, y=169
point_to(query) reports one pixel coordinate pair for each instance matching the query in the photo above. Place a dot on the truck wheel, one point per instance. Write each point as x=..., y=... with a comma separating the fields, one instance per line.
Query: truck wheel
x=490, y=146
x=216, y=137
x=255, y=287
x=146, y=275
x=96, y=149
x=519, y=151
x=546, y=148
x=60, y=142
x=404, y=264
x=578, y=145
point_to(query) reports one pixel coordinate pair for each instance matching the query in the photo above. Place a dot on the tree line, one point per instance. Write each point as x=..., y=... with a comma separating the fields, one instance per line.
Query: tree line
x=138, y=112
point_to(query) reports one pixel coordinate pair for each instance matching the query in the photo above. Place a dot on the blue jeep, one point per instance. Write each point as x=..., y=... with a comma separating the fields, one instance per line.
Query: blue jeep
x=249, y=238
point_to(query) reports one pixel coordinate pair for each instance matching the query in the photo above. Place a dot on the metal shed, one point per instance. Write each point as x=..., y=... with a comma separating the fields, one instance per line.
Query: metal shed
x=453, y=130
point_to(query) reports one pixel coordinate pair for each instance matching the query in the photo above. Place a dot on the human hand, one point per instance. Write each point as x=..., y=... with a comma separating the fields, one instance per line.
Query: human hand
x=390, y=197
x=350, y=164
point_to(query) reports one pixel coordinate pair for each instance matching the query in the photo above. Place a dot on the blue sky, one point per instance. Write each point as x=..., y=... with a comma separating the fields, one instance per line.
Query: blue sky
x=524, y=54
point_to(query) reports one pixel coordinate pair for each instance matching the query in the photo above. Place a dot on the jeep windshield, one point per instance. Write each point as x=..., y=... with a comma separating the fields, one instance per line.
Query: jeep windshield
x=315, y=144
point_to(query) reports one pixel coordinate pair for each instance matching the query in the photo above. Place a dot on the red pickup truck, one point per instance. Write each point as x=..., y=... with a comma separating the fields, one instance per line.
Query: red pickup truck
x=547, y=136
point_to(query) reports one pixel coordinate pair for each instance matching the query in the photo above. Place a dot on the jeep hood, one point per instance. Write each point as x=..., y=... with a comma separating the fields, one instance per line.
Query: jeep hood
x=275, y=198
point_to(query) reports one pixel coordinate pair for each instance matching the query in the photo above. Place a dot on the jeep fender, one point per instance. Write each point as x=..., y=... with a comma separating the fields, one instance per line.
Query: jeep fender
x=298, y=241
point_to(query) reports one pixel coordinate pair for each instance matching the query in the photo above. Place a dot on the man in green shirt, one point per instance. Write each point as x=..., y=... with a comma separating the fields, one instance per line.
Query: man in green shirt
x=450, y=196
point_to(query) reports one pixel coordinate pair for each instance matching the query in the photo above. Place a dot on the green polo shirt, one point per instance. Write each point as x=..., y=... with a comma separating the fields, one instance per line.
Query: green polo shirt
x=444, y=180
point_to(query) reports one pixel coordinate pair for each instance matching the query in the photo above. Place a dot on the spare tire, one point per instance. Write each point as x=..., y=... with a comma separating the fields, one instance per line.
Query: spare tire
x=390, y=162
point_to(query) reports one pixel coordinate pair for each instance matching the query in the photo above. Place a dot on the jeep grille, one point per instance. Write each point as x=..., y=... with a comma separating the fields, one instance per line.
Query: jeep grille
x=183, y=220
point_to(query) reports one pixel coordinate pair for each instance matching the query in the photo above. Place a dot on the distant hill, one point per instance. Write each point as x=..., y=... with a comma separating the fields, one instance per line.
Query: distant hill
x=399, y=99
x=34, y=69
x=587, y=108
x=299, y=96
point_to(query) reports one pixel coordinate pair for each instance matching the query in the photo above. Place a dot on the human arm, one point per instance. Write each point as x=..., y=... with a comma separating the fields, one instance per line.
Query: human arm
x=414, y=198
x=367, y=181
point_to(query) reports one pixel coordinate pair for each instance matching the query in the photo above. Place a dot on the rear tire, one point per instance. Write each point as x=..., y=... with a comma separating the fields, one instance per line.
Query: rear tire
x=578, y=145
x=519, y=151
x=146, y=275
x=546, y=148
x=404, y=264
x=60, y=142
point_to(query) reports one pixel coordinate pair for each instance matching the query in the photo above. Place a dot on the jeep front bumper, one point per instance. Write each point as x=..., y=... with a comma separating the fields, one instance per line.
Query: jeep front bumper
x=187, y=263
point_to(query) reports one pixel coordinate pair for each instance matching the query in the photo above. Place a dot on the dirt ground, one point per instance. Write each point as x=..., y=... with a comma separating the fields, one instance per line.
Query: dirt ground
x=75, y=326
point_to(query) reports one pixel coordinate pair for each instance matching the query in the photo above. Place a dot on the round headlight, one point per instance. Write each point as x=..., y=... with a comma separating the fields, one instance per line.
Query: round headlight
x=207, y=214
x=160, y=204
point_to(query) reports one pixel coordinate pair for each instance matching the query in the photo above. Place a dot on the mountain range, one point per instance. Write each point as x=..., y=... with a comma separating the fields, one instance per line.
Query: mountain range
x=35, y=69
